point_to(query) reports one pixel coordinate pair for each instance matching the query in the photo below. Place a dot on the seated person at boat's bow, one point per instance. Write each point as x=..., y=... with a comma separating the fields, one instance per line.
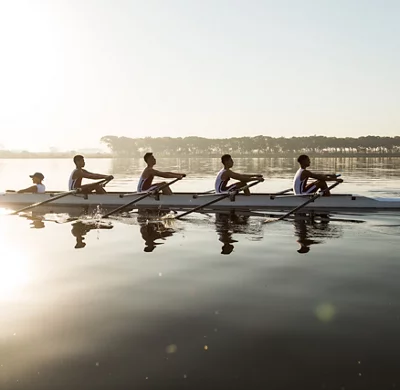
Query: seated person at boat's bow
x=225, y=174
x=148, y=174
x=300, y=181
x=75, y=180
x=38, y=187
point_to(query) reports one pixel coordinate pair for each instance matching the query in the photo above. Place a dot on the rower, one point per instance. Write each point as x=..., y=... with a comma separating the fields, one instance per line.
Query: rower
x=300, y=185
x=38, y=186
x=225, y=174
x=75, y=180
x=146, y=179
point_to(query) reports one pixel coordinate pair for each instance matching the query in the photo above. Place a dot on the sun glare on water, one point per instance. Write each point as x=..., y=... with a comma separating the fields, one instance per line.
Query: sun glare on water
x=13, y=269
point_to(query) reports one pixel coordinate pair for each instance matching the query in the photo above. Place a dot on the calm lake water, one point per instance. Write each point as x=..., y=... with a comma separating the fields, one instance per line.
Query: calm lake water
x=205, y=303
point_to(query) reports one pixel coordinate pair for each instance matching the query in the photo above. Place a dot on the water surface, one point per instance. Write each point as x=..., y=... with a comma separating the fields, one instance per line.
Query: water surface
x=209, y=302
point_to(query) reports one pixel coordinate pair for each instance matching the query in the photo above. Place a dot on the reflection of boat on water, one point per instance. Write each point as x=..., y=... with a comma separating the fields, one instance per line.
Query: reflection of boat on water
x=310, y=228
x=312, y=231
x=79, y=228
x=152, y=229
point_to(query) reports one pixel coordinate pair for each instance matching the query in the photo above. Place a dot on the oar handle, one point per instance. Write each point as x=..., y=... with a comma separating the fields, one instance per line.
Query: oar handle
x=283, y=192
x=157, y=190
x=203, y=193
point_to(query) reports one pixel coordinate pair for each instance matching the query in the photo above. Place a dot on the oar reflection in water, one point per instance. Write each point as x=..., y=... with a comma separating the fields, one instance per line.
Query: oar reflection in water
x=310, y=231
x=152, y=229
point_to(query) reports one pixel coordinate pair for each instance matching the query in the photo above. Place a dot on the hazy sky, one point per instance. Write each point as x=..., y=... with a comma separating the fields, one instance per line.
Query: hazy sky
x=73, y=71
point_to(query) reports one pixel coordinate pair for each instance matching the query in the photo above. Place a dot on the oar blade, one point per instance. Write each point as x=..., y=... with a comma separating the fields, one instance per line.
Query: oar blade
x=271, y=220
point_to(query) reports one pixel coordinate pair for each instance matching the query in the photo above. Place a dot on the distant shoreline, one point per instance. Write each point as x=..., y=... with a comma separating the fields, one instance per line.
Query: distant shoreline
x=12, y=155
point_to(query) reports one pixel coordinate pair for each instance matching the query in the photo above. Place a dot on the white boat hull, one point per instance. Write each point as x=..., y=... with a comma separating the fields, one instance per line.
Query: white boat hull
x=187, y=201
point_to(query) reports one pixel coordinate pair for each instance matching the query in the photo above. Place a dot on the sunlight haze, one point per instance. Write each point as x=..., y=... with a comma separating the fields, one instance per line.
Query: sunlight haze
x=74, y=71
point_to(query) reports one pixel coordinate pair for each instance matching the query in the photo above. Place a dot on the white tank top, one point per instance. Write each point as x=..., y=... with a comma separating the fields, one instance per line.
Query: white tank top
x=41, y=189
x=298, y=184
x=71, y=182
x=143, y=183
x=219, y=183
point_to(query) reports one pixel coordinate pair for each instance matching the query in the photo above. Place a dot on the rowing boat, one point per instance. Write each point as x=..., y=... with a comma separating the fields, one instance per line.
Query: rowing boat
x=187, y=200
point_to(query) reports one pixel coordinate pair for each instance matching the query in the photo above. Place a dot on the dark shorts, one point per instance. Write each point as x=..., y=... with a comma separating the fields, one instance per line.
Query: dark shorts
x=229, y=188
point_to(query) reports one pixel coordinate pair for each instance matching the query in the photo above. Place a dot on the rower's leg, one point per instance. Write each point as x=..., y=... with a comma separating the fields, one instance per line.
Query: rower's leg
x=241, y=184
x=99, y=189
x=324, y=187
x=319, y=185
x=166, y=190
x=89, y=188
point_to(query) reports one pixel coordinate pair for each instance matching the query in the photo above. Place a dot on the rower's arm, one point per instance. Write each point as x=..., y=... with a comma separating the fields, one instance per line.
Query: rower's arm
x=243, y=177
x=320, y=176
x=95, y=176
x=167, y=175
x=32, y=189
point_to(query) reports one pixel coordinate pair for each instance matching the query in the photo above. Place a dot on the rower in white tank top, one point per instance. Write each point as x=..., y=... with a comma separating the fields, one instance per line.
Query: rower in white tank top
x=300, y=186
x=221, y=186
x=74, y=183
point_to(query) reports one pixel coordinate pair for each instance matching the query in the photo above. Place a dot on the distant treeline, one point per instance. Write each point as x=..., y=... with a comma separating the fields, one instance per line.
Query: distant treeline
x=260, y=146
x=69, y=154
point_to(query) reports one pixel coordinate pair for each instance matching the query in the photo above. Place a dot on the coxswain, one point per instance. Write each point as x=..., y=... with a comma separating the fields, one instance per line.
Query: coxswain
x=38, y=187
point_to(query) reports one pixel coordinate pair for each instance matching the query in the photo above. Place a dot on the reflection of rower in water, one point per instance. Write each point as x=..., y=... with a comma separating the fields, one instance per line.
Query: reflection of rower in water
x=148, y=174
x=226, y=225
x=152, y=230
x=308, y=228
x=302, y=233
x=80, y=229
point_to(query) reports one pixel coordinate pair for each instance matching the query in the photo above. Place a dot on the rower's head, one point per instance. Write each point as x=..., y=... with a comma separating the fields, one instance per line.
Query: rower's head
x=227, y=161
x=79, y=161
x=37, y=177
x=304, y=161
x=150, y=159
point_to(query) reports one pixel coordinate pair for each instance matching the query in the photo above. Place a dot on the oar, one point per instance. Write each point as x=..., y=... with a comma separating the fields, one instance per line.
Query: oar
x=46, y=201
x=312, y=199
x=129, y=194
x=284, y=192
x=140, y=198
x=203, y=193
x=218, y=199
x=72, y=192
